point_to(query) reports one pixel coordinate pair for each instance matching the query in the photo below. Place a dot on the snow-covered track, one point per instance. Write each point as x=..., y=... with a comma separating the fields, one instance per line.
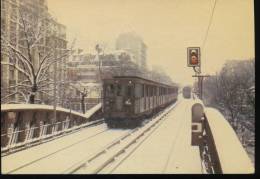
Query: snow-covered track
x=60, y=149
x=107, y=159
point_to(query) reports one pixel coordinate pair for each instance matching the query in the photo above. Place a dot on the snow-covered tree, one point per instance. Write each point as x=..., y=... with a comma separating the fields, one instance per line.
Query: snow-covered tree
x=232, y=91
x=34, y=56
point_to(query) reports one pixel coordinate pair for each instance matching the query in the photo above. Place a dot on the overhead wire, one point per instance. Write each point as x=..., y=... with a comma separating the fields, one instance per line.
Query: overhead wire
x=209, y=25
x=208, y=28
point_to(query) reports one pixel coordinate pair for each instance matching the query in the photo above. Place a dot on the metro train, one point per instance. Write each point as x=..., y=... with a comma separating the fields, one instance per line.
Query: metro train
x=186, y=91
x=129, y=99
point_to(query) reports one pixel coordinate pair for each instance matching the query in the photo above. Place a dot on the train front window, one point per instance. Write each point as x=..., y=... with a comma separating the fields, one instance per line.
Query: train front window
x=129, y=91
x=110, y=90
x=120, y=90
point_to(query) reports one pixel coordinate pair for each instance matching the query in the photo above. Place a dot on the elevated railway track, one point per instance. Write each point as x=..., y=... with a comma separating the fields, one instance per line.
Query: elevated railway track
x=172, y=141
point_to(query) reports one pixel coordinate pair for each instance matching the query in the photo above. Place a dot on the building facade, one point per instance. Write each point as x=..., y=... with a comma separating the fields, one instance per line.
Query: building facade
x=86, y=71
x=82, y=73
x=134, y=45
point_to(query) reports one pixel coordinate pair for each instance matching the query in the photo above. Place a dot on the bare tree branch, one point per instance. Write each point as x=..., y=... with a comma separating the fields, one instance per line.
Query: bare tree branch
x=17, y=68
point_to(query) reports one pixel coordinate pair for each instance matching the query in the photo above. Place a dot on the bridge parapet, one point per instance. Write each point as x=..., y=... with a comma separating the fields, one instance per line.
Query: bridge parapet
x=23, y=124
x=231, y=153
x=220, y=149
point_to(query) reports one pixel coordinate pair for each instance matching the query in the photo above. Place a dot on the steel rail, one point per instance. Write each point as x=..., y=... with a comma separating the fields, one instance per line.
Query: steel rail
x=57, y=151
x=120, y=145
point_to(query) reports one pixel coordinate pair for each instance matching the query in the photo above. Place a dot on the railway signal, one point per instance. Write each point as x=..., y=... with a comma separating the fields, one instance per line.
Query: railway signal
x=193, y=56
x=193, y=60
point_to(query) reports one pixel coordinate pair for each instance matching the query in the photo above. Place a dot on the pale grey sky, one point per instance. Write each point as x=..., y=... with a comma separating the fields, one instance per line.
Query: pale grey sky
x=167, y=27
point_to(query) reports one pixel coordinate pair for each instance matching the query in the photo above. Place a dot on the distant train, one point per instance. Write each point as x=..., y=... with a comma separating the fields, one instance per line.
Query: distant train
x=186, y=92
x=129, y=99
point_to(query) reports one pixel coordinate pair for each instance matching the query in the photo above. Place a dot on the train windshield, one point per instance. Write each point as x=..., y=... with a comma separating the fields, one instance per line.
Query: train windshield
x=115, y=90
x=120, y=90
x=110, y=90
x=129, y=91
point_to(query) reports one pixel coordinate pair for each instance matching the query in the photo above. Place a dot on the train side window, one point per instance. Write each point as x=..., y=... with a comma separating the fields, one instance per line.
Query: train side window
x=138, y=90
x=110, y=89
x=142, y=91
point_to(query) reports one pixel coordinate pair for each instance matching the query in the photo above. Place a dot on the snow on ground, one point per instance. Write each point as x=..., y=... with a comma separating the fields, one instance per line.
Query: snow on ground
x=168, y=149
x=57, y=155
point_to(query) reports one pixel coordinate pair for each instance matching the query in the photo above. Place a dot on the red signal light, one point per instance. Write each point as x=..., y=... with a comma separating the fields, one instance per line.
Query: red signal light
x=193, y=56
x=194, y=59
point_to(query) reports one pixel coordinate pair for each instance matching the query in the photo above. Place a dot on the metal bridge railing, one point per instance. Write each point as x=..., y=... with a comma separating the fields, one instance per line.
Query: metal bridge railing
x=23, y=134
x=40, y=134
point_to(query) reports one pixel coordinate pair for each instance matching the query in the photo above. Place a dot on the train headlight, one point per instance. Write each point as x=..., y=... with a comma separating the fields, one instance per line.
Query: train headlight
x=128, y=102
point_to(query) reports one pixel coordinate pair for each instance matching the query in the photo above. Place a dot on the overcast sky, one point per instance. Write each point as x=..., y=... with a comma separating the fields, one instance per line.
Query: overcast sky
x=167, y=27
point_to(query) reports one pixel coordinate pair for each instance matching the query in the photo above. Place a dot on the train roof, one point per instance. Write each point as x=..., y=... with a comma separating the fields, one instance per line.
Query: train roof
x=140, y=78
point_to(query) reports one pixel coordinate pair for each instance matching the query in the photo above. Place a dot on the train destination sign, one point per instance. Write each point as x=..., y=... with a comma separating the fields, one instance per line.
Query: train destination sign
x=193, y=56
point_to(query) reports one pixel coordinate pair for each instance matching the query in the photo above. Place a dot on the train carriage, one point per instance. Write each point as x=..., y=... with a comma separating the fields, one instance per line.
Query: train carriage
x=186, y=91
x=128, y=99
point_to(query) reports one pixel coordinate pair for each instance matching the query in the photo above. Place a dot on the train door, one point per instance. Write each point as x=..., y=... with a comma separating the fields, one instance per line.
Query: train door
x=119, y=97
x=129, y=98
x=144, y=99
x=142, y=107
x=109, y=98
x=153, y=95
x=147, y=98
x=138, y=97
x=157, y=96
